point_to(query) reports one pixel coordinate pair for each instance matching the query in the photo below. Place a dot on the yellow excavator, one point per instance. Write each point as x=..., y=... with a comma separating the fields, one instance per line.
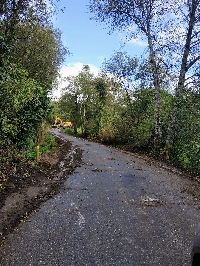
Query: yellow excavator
x=67, y=125
x=57, y=122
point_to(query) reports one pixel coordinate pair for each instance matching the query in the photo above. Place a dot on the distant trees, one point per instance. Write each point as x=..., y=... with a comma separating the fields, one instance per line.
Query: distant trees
x=88, y=100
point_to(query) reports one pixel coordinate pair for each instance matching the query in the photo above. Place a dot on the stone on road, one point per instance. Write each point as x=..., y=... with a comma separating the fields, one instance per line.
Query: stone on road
x=113, y=210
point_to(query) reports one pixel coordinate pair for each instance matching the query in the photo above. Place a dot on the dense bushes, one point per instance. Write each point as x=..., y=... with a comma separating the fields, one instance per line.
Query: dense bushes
x=186, y=149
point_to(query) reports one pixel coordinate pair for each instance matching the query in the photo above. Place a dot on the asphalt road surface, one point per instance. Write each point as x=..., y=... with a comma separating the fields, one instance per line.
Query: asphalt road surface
x=116, y=209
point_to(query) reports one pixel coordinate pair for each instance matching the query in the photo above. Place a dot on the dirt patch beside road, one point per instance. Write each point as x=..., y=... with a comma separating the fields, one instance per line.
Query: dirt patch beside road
x=25, y=185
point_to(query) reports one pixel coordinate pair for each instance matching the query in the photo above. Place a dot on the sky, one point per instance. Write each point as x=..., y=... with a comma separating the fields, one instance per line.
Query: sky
x=87, y=40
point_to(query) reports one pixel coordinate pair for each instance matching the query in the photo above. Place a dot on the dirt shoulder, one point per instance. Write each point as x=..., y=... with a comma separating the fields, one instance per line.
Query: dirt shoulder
x=24, y=186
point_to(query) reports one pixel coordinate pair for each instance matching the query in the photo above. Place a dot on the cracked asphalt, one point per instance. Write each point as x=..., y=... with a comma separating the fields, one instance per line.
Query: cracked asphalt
x=115, y=209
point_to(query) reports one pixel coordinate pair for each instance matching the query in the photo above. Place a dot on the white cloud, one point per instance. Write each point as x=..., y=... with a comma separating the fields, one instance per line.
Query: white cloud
x=70, y=70
x=137, y=41
x=132, y=35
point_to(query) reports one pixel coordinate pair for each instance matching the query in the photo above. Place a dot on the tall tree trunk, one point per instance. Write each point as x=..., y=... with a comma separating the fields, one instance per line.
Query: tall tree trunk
x=181, y=81
x=76, y=115
x=156, y=82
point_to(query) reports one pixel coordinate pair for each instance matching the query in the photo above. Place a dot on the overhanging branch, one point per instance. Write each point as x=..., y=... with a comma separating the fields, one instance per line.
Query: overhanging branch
x=191, y=63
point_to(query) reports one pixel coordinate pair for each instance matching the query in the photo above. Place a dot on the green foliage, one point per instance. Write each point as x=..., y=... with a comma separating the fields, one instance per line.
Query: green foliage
x=188, y=155
x=78, y=101
x=69, y=131
x=48, y=144
x=134, y=122
x=31, y=53
x=186, y=148
x=122, y=66
x=24, y=104
x=31, y=152
x=43, y=44
x=69, y=107
x=14, y=12
x=53, y=111
x=104, y=112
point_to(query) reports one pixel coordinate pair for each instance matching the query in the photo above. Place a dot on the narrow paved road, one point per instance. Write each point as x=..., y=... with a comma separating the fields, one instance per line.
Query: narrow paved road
x=114, y=210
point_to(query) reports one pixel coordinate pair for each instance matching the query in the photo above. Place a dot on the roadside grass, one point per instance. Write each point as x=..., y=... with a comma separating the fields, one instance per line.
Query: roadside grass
x=68, y=131
x=185, y=160
x=47, y=144
x=14, y=155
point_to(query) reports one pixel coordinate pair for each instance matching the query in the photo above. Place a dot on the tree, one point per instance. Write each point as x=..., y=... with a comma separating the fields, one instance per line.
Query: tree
x=69, y=106
x=145, y=15
x=12, y=12
x=101, y=87
x=124, y=69
x=189, y=14
x=86, y=89
x=69, y=103
x=88, y=100
x=39, y=50
x=30, y=55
